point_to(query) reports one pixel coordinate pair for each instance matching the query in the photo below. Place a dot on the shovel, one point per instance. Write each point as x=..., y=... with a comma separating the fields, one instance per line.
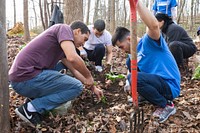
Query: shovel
x=137, y=117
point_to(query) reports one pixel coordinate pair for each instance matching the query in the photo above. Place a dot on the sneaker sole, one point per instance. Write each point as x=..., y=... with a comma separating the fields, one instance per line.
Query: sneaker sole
x=24, y=118
x=172, y=113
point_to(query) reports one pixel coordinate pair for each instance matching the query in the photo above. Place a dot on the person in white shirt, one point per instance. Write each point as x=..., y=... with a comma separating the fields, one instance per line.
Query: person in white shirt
x=98, y=44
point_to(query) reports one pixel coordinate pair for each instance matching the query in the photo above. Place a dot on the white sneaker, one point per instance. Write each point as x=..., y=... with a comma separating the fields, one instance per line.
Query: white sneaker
x=99, y=68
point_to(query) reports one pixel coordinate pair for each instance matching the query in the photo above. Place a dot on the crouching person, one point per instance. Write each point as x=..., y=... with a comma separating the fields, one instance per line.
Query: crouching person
x=33, y=73
x=158, y=75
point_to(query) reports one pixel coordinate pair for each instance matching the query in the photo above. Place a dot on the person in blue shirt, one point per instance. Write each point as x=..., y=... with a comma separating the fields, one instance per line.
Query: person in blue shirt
x=158, y=75
x=168, y=7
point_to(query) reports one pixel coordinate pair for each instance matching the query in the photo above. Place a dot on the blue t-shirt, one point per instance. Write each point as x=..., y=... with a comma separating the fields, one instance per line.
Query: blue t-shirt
x=164, y=6
x=157, y=59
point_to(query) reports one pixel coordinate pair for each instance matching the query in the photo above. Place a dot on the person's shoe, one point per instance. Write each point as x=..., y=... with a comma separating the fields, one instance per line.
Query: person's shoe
x=157, y=112
x=33, y=118
x=166, y=112
x=99, y=68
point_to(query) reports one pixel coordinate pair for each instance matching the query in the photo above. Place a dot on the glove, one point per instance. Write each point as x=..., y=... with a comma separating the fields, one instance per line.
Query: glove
x=127, y=86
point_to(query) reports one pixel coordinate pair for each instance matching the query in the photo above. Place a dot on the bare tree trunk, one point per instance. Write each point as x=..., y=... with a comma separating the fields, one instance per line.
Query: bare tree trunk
x=4, y=91
x=41, y=14
x=35, y=14
x=48, y=11
x=191, y=15
x=182, y=4
x=88, y=12
x=73, y=10
x=112, y=23
x=96, y=10
x=109, y=15
x=14, y=5
x=125, y=13
x=45, y=14
x=26, y=28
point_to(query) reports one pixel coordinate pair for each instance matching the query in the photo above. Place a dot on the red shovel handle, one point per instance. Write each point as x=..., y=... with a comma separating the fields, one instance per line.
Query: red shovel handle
x=133, y=29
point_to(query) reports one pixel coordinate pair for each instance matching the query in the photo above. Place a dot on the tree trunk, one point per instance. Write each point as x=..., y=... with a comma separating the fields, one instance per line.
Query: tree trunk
x=191, y=15
x=88, y=12
x=14, y=5
x=96, y=10
x=26, y=28
x=41, y=14
x=45, y=14
x=182, y=4
x=125, y=13
x=112, y=23
x=73, y=10
x=35, y=14
x=4, y=90
x=109, y=15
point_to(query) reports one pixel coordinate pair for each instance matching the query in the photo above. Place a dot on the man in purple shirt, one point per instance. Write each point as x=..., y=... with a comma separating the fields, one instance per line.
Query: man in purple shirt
x=33, y=72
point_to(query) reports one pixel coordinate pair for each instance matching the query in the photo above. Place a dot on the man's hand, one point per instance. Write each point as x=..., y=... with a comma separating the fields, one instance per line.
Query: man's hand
x=98, y=92
x=88, y=82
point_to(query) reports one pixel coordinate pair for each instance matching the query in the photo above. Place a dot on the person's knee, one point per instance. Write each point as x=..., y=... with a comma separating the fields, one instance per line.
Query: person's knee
x=174, y=46
x=79, y=87
x=100, y=47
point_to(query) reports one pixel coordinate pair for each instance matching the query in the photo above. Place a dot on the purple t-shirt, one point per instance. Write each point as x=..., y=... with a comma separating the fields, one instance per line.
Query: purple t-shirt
x=43, y=52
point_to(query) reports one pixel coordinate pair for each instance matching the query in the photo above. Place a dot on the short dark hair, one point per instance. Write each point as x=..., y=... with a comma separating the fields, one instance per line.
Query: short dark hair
x=79, y=24
x=119, y=35
x=100, y=25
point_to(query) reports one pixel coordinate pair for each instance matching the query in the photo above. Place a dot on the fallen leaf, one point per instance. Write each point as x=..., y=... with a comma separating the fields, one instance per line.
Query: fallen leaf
x=187, y=115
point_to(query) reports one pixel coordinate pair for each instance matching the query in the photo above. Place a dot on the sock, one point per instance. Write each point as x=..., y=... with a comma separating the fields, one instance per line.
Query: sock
x=30, y=107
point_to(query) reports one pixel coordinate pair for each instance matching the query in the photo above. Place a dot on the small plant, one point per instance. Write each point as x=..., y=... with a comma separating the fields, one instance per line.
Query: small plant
x=103, y=99
x=196, y=73
x=114, y=77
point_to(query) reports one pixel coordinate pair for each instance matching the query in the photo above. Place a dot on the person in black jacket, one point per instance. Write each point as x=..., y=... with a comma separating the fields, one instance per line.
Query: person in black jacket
x=180, y=44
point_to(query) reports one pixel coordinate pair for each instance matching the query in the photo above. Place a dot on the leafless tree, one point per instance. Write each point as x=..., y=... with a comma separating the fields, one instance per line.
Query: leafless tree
x=112, y=22
x=4, y=91
x=41, y=14
x=182, y=4
x=26, y=27
x=125, y=13
x=73, y=10
x=96, y=10
x=35, y=14
x=191, y=15
x=14, y=6
x=88, y=12
x=45, y=14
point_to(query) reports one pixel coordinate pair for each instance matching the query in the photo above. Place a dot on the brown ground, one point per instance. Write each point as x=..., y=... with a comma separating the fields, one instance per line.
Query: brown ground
x=87, y=115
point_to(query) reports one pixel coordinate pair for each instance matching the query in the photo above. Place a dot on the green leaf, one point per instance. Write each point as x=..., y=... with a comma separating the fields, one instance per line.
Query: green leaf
x=196, y=74
x=103, y=99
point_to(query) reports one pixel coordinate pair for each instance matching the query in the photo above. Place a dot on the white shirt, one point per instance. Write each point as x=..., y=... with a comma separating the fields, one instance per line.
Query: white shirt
x=92, y=41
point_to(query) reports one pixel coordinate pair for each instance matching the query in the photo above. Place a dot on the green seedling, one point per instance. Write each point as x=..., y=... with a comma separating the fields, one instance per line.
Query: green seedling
x=103, y=99
x=113, y=77
x=196, y=74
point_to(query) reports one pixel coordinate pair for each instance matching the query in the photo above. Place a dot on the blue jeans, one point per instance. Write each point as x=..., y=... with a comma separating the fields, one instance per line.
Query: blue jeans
x=153, y=88
x=49, y=89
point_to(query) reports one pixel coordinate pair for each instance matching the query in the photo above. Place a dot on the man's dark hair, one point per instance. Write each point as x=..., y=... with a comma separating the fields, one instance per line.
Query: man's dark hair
x=120, y=34
x=79, y=24
x=99, y=25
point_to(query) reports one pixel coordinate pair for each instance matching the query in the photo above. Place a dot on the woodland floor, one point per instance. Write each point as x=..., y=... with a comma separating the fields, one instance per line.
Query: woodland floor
x=87, y=115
